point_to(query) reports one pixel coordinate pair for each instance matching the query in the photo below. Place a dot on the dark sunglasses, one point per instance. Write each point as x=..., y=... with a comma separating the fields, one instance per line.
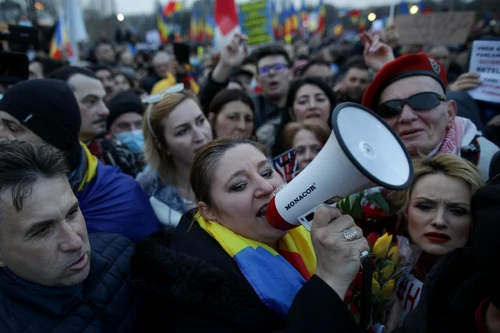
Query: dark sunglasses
x=419, y=102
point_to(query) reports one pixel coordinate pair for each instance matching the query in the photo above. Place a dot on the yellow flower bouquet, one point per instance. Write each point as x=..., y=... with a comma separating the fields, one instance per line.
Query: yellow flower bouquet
x=386, y=273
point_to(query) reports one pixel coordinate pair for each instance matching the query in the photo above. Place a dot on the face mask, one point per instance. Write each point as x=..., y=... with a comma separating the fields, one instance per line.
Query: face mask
x=253, y=83
x=133, y=139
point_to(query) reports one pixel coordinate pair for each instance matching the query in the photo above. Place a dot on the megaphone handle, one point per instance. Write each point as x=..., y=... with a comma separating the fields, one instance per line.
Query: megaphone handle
x=366, y=294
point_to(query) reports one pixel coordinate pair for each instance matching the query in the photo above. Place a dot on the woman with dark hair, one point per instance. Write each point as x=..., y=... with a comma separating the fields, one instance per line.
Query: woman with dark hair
x=231, y=114
x=226, y=269
x=307, y=98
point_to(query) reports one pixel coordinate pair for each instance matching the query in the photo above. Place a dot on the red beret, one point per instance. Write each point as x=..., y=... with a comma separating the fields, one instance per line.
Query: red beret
x=404, y=66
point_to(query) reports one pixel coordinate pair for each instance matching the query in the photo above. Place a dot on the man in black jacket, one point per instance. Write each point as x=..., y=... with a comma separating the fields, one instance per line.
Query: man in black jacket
x=53, y=276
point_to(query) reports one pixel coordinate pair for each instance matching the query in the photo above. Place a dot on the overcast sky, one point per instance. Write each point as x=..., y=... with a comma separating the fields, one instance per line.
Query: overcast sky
x=146, y=6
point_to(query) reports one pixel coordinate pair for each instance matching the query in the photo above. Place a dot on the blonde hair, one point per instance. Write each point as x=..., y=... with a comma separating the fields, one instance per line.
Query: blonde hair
x=155, y=146
x=449, y=165
x=318, y=127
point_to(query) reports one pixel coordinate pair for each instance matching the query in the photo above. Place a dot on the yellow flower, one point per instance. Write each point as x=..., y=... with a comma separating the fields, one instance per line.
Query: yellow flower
x=375, y=275
x=394, y=254
x=382, y=246
x=387, y=271
x=387, y=291
x=375, y=287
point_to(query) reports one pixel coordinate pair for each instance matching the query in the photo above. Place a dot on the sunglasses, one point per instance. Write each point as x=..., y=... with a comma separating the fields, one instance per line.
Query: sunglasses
x=419, y=102
x=152, y=99
x=276, y=68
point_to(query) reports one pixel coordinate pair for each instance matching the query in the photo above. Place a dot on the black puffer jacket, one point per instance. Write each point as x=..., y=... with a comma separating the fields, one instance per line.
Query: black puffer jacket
x=105, y=302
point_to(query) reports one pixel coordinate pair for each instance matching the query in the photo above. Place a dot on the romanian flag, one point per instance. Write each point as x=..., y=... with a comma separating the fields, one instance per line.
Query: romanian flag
x=111, y=201
x=321, y=18
x=355, y=16
x=60, y=44
x=162, y=24
x=209, y=27
x=172, y=8
x=294, y=18
x=193, y=28
x=276, y=276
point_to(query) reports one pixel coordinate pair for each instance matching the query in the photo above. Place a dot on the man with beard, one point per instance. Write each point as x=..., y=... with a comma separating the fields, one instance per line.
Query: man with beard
x=54, y=276
x=353, y=85
x=90, y=94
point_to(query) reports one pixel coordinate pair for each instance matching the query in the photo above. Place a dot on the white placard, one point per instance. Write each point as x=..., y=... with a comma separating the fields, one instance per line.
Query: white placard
x=485, y=60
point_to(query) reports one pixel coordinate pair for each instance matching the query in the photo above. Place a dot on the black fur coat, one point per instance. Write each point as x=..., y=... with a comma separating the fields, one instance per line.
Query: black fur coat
x=191, y=284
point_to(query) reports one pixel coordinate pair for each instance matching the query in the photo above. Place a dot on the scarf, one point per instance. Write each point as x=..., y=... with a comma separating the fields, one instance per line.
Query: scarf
x=275, y=277
x=461, y=133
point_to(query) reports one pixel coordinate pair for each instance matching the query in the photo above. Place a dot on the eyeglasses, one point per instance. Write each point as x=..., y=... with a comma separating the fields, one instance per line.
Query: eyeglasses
x=155, y=98
x=276, y=68
x=152, y=99
x=419, y=102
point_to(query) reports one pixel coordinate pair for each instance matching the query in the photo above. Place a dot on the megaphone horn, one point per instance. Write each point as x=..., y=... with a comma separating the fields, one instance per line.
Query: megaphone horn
x=362, y=152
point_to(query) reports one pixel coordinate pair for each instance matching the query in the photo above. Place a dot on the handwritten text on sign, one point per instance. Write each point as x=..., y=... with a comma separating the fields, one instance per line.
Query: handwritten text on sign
x=485, y=60
x=436, y=28
x=255, y=20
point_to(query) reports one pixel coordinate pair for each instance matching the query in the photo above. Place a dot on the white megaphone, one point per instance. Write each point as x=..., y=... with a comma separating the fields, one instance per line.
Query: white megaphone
x=362, y=152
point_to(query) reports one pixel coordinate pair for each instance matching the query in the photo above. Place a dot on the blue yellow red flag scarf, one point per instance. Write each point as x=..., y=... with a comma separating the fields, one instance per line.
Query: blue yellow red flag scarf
x=276, y=277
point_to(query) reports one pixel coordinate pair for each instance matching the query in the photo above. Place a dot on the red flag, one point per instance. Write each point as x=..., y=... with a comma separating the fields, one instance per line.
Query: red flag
x=225, y=15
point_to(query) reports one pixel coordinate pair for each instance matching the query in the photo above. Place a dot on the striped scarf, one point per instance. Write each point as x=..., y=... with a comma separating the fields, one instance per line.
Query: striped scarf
x=276, y=277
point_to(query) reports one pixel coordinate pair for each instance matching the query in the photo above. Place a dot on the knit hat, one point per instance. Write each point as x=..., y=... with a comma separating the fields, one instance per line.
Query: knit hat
x=124, y=102
x=404, y=66
x=49, y=109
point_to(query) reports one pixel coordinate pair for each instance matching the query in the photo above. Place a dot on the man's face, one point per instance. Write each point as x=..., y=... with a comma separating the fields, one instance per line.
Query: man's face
x=421, y=130
x=441, y=54
x=274, y=76
x=36, y=70
x=90, y=95
x=11, y=129
x=106, y=78
x=161, y=66
x=127, y=122
x=46, y=242
x=105, y=54
x=320, y=71
x=356, y=81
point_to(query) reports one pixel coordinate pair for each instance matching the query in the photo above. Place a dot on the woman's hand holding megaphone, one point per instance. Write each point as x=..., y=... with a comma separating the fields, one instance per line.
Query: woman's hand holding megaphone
x=338, y=244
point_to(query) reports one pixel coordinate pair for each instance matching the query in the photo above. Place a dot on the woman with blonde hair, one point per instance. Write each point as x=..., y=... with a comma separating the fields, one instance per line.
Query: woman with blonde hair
x=174, y=129
x=436, y=211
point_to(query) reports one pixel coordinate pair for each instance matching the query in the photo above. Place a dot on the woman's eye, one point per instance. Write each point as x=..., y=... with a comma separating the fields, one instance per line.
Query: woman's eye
x=267, y=174
x=181, y=132
x=459, y=211
x=238, y=187
x=424, y=207
x=200, y=121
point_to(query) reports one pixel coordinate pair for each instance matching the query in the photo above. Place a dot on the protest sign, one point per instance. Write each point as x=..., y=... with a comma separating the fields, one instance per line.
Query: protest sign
x=434, y=28
x=485, y=60
x=256, y=22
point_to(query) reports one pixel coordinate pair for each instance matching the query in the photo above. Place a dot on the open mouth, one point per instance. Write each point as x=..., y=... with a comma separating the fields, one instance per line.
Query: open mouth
x=274, y=85
x=262, y=211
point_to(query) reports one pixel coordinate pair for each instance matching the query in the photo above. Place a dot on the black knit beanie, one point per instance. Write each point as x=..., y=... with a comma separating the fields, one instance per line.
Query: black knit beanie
x=49, y=109
x=122, y=103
